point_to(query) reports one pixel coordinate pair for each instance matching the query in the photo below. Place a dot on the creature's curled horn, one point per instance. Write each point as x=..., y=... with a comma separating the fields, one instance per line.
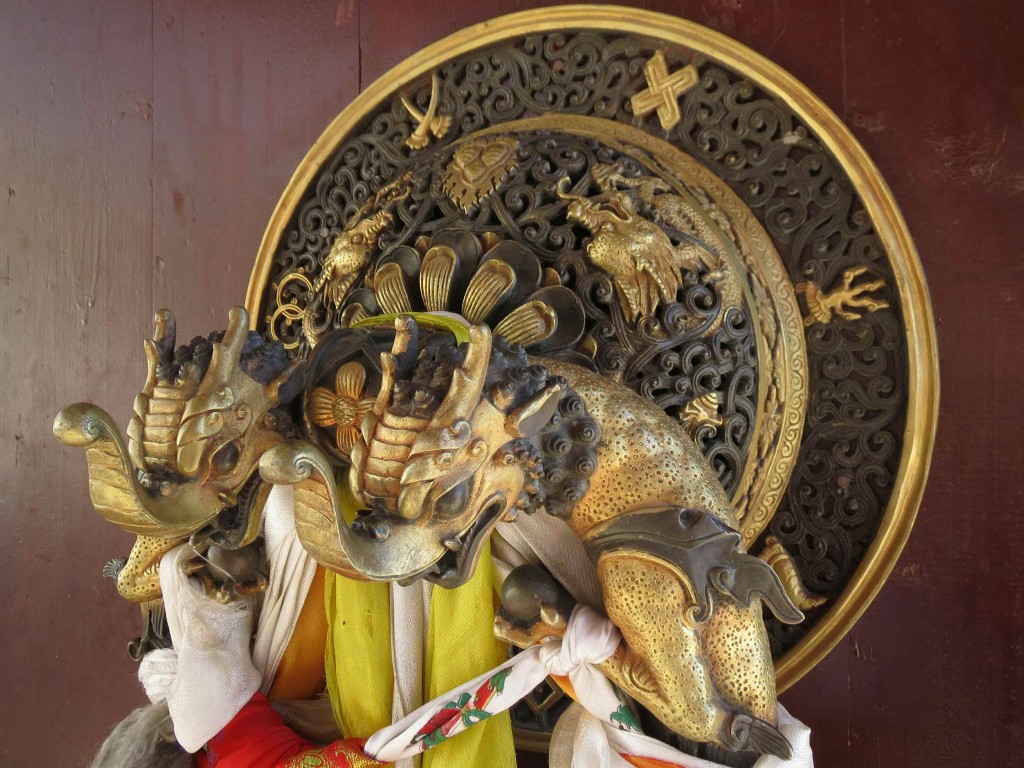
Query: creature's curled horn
x=199, y=427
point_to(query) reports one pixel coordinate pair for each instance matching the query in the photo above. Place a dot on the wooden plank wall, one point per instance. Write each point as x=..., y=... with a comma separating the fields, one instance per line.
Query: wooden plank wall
x=143, y=146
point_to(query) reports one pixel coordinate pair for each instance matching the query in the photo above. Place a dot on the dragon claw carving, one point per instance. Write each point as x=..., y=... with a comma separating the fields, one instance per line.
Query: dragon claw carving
x=842, y=301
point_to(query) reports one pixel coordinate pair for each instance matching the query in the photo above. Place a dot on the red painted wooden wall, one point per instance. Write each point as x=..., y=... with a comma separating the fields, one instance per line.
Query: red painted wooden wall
x=143, y=146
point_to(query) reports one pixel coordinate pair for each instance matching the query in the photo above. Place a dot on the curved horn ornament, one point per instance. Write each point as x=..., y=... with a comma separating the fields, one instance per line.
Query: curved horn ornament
x=319, y=516
x=113, y=484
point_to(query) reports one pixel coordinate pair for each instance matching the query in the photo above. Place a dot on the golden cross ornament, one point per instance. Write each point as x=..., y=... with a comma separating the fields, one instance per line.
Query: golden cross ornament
x=663, y=90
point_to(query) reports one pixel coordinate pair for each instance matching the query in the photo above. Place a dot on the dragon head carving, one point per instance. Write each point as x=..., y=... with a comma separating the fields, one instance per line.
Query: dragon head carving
x=461, y=434
x=205, y=416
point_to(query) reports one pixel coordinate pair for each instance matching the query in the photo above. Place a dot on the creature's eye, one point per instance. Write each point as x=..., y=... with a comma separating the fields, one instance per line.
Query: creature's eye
x=453, y=502
x=225, y=459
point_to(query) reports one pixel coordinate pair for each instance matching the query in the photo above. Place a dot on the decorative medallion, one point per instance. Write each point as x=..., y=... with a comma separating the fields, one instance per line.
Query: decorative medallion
x=477, y=169
x=646, y=198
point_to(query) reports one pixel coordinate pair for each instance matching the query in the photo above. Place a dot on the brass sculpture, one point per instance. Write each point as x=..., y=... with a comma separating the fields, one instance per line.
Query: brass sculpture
x=206, y=414
x=670, y=264
x=466, y=432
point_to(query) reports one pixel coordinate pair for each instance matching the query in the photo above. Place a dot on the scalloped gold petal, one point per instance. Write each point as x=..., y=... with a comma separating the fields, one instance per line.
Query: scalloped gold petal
x=528, y=324
x=436, y=273
x=321, y=407
x=350, y=380
x=491, y=282
x=391, y=294
x=345, y=437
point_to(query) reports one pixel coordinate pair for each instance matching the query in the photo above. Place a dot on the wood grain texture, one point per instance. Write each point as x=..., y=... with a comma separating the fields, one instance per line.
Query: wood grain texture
x=144, y=145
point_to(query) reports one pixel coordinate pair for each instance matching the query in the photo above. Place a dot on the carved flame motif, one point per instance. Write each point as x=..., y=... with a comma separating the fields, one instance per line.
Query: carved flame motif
x=701, y=412
x=478, y=169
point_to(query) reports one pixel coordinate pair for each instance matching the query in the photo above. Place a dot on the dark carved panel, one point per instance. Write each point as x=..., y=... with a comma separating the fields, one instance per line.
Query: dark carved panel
x=855, y=418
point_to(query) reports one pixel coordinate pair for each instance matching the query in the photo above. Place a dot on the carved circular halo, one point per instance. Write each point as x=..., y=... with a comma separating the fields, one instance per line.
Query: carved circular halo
x=748, y=128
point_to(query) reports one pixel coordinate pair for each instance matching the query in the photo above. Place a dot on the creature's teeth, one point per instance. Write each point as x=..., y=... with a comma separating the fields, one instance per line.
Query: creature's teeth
x=452, y=543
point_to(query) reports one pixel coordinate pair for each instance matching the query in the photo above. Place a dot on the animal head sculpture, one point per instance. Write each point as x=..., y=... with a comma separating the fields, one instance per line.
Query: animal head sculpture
x=205, y=416
x=461, y=434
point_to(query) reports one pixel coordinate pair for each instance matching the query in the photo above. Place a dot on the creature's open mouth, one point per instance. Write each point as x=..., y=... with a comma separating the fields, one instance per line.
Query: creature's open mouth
x=233, y=525
x=455, y=567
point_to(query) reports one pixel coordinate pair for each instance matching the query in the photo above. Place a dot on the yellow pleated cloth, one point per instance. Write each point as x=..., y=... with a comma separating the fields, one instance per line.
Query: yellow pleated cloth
x=460, y=646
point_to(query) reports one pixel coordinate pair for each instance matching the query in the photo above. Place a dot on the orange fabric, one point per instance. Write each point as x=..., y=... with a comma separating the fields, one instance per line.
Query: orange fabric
x=648, y=762
x=566, y=685
x=300, y=675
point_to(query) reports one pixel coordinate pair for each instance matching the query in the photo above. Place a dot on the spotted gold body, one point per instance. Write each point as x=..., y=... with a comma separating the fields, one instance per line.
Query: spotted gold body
x=462, y=435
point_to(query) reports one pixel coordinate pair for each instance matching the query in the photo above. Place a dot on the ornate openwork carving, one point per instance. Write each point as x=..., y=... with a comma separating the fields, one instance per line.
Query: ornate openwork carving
x=753, y=194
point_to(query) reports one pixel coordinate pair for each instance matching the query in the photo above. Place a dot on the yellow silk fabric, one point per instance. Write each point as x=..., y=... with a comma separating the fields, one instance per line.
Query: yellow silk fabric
x=460, y=646
x=358, y=658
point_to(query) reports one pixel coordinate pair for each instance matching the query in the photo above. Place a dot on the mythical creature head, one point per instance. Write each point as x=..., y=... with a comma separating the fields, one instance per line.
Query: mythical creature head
x=204, y=417
x=462, y=433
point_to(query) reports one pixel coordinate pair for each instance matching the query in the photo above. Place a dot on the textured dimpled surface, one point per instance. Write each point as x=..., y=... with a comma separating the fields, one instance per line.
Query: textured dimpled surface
x=647, y=602
x=736, y=645
x=645, y=460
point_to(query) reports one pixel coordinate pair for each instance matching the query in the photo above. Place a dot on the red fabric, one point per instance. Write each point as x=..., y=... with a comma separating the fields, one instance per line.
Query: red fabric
x=257, y=738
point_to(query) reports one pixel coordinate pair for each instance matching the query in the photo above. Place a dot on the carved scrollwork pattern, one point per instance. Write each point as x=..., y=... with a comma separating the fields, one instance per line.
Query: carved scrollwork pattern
x=853, y=433
x=856, y=413
x=689, y=347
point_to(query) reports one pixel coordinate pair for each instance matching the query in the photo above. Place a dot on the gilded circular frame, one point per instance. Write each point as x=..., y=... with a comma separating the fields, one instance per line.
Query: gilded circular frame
x=921, y=385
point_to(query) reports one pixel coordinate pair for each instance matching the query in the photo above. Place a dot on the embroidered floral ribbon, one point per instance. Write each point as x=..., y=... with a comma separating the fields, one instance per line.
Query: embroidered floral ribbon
x=589, y=639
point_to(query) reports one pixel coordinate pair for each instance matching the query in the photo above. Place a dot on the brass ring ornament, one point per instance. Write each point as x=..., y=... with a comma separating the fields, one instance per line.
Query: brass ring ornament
x=496, y=131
